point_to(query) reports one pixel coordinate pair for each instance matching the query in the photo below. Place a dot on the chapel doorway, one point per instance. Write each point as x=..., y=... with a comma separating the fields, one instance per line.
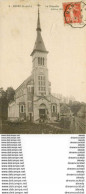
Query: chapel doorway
x=42, y=113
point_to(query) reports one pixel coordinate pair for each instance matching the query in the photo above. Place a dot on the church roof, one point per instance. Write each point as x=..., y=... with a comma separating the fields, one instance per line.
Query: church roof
x=26, y=81
x=39, y=43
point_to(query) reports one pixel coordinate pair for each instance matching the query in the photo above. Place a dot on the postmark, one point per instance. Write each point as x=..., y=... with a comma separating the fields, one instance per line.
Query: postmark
x=75, y=14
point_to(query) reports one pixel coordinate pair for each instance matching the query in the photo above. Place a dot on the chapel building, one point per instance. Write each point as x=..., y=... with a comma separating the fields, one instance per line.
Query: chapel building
x=33, y=100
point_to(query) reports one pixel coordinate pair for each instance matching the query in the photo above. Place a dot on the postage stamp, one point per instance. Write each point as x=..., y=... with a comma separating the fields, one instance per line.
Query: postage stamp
x=75, y=14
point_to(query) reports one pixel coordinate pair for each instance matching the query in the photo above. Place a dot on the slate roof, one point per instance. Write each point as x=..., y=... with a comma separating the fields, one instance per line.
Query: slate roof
x=30, y=78
x=39, y=43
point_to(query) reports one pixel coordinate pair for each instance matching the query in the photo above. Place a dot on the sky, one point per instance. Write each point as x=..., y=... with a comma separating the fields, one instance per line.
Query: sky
x=67, y=46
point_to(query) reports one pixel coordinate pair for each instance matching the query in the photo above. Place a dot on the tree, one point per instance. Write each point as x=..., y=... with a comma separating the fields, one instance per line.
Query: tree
x=10, y=92
x=5, y=98
x=2, y=94
x=65, y=109
x=75, y=107
x=3, y=104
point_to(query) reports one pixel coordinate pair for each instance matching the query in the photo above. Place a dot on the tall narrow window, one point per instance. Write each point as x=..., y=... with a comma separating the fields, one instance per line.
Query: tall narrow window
x=42, y=84
x=22, y=108
x=43, y=61
x=54, y=109
x=39, y=60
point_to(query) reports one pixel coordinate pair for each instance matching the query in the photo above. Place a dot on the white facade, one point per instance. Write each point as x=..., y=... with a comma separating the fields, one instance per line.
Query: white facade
x=33, y=99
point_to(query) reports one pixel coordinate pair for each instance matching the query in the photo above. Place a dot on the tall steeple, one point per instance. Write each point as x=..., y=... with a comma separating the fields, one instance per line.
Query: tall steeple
x=39, y=44
x=38, y=22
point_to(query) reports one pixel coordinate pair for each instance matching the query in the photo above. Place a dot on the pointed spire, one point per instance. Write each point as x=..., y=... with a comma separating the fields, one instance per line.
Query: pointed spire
x=38, y=21
x=39, y=44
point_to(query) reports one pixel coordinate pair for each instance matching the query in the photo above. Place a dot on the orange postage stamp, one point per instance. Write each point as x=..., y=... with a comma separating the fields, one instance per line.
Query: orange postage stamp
x=74, y=14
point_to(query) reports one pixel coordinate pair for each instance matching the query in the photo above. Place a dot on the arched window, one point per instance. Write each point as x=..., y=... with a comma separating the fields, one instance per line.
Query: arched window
x=22, y=108
x=54, y=108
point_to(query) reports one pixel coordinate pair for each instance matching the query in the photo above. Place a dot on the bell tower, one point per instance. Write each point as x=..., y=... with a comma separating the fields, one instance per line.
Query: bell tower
x=39, y=60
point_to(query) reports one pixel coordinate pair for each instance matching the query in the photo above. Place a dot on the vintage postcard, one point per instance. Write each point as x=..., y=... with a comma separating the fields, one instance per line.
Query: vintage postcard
x=42, y=67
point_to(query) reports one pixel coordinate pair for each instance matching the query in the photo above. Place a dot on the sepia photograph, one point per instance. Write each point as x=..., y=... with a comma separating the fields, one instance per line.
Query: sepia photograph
x=42, y=67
